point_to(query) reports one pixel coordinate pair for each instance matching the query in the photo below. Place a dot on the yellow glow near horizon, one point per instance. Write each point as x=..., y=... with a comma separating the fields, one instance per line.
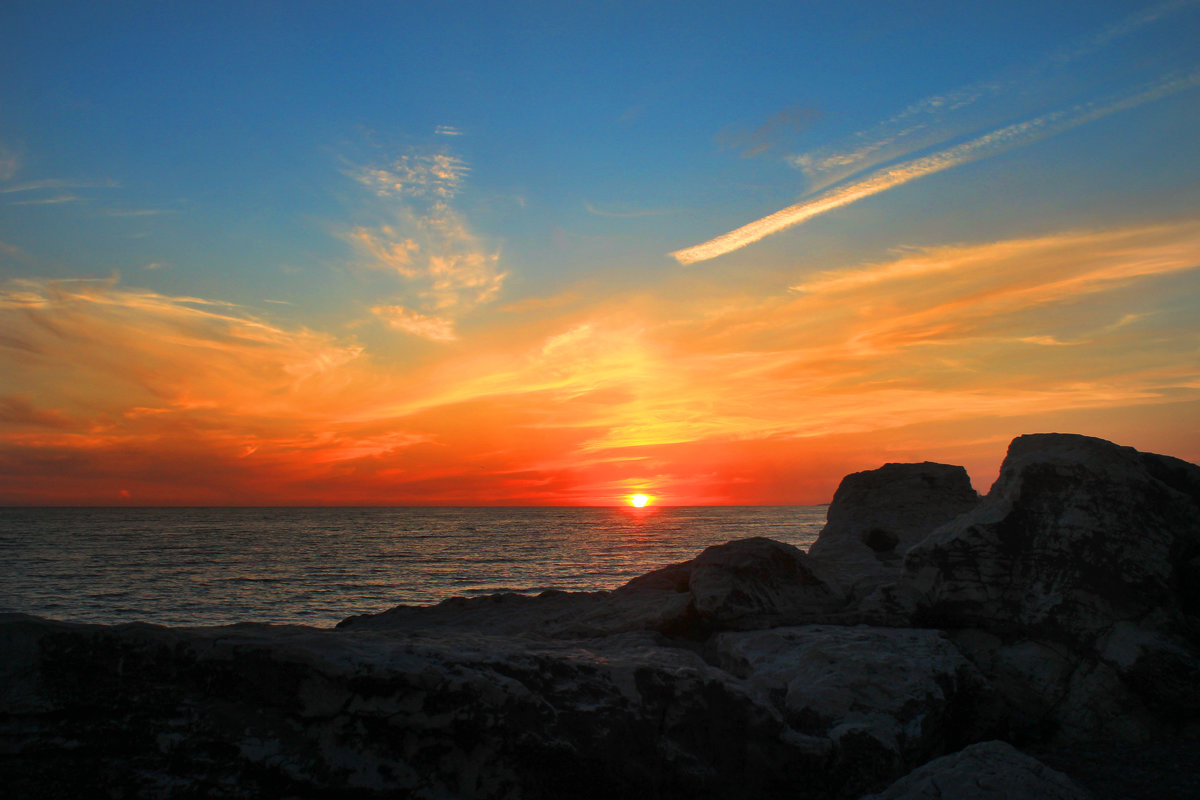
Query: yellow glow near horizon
x=945, y=351
x=639, y=500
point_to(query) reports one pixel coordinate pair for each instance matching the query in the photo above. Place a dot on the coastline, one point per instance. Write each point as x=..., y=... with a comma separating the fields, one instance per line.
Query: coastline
x=925, y=627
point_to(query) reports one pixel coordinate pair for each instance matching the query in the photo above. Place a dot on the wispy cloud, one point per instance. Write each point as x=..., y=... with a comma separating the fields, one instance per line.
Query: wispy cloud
x=1069, y=261
x=992, y=296
x=436, y=175
x=186, y=399
x=540, y=303
x=57, y=184
x=940, y=118
x=141, y=338
x=46, y=201
x=10, y=163
x=624, y=214
x=447, y=130
x=447, y=269
x=51, y=191
x=996, y=141
x=426, y=326
x=770, y=135
x=137, y=212
x=13, y=251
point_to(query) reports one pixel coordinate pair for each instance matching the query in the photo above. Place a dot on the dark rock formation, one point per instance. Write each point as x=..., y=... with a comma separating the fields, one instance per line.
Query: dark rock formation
x=876, y=516
x=260, y=711
x=1071, y=584
x=1061, y=609
x=985, y=771
x=1077, y=534
x=256, y=710
x=742, y=585
x=872, y=699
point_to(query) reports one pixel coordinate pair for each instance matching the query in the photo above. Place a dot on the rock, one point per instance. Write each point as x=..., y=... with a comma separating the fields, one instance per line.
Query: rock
x=878, y=698
x=877, y=515
x=1048, y=692
x=257, y=710
x=1076, y=534
x=263, y=711
x=740, y=585
x=985, y=771
x=551, y=614
x=1168, y=769
x=1077, y=562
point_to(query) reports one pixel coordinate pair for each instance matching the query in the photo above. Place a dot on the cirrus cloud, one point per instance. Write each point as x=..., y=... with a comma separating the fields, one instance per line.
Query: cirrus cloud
x=446, y=269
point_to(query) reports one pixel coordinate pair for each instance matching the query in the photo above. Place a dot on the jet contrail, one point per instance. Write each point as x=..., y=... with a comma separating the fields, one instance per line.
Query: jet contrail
x=881, y=180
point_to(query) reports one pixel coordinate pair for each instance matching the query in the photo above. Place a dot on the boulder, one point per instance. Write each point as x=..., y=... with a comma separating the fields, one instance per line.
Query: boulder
x=1076, y=534
x=874, y=699
x=1078, y=564
x=740, y=585
x=1048, y=692
x=985, y=771
x=877, y=515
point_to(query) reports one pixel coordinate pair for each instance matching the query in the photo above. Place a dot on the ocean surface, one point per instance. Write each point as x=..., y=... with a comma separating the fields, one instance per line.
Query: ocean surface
x=317, y=566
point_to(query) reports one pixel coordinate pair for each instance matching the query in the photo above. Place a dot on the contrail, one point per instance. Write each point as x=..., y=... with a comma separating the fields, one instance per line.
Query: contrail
x=913, y=128
x=889, y=177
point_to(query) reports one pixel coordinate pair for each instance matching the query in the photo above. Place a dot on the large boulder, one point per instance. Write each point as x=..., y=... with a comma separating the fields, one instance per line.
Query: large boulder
x=1076, y=535
x=878, y=515
x=742, y=585
x=872, y=699
x=990, y=770
x=1079, y=566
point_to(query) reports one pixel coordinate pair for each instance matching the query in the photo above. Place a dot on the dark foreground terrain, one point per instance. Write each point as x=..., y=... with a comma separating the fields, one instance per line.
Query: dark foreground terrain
x=1042, y=642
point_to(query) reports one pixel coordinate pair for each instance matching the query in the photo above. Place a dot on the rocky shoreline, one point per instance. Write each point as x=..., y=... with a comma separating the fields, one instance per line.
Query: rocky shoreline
x=932, y=643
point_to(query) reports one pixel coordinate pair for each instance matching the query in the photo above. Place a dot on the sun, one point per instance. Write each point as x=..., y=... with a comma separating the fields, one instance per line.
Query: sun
x=639, y=500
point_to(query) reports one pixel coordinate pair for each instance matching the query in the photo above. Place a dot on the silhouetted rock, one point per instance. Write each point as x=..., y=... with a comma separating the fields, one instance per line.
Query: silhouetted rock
x=1076, y=534
x=261, y=711
x=873, y=699
x=258, y=710
x=1075, y=569
x=877, y=515
x=740, y=585
x=985, y=771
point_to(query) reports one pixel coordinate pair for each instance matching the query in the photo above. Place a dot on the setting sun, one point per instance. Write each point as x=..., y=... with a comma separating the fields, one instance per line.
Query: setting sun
x=639, y=500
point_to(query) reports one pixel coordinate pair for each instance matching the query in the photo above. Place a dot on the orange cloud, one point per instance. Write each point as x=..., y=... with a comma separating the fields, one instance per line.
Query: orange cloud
x=427, y=326
x=689, y=392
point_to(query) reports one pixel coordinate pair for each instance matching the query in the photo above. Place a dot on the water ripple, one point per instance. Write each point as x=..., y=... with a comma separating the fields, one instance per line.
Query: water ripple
x=317, y=566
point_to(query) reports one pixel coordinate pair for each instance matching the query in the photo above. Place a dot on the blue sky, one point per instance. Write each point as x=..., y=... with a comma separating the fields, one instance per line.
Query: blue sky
x=424, y=183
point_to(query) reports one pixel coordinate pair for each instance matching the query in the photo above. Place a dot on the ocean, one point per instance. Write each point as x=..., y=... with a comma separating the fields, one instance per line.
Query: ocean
x=317, y=566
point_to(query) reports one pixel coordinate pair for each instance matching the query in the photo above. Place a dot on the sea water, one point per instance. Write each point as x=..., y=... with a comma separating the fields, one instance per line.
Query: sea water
x=317, y=566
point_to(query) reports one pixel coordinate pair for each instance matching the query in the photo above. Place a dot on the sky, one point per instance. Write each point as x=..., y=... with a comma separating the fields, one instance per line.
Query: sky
x=459, y=253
